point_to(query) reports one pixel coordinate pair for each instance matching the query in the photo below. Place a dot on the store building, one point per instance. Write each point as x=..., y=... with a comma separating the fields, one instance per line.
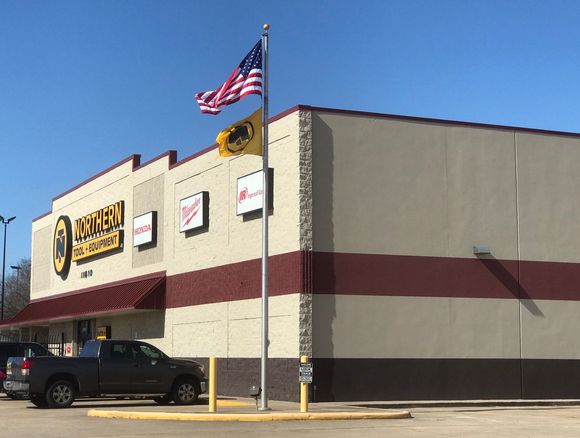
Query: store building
x=410, y=258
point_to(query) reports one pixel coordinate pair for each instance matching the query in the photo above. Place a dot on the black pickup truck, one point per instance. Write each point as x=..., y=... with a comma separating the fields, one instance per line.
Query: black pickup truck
x=17, y=349
x=108, y=368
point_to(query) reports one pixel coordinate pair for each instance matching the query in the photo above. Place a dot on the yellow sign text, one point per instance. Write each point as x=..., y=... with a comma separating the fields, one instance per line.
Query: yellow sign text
x=99, y=221
x=99, y=245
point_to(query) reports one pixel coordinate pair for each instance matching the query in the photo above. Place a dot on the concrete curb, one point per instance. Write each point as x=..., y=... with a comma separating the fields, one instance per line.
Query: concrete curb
x=278, y=416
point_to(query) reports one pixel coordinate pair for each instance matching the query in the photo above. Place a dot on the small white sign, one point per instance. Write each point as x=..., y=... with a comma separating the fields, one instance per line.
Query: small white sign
x=193, y=212
x=305, y=372
x=144, y=228
x=251, y=192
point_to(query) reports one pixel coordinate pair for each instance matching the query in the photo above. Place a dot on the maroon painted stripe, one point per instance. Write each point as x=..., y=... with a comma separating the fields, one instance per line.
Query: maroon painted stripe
x=361, y=274
x=355, y=274
x=378, y=275
x=550, y=280
x=391, y=275
x=237, y=281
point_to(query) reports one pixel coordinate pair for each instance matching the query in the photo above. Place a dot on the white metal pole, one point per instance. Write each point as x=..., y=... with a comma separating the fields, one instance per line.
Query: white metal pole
x=265, y=339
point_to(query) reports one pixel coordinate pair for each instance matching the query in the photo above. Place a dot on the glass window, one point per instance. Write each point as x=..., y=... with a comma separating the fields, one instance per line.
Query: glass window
x=91, y=349
x=29, y=351
x=120, y=351
x=150, y=352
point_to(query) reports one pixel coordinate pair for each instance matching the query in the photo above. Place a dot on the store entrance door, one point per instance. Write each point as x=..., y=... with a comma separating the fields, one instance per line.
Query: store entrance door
x=84, y=332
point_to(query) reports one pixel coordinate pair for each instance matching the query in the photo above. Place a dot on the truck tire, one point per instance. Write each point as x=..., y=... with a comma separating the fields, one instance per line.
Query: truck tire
x=38, y=400
x=185, y=391
x=60, y=394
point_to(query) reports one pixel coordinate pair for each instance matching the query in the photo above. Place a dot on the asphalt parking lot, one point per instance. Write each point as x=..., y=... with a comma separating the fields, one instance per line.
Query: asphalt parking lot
x=21, y=417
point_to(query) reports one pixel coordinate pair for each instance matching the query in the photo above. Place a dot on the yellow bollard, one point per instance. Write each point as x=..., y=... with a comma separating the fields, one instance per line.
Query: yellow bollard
x=212, y=384
x=303, y=390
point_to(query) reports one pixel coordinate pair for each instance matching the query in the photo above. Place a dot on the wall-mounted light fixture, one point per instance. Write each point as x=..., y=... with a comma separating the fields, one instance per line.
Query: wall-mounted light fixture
x=481, y=249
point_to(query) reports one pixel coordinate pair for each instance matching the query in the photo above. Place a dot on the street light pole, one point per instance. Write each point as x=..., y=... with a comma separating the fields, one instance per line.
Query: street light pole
x=5, y=222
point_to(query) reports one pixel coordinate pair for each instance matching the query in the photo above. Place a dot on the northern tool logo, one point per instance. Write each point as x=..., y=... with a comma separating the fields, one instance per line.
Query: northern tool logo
x=62, y=246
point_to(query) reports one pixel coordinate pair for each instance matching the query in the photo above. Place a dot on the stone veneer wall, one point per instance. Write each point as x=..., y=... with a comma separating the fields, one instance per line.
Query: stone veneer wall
x=305, y=203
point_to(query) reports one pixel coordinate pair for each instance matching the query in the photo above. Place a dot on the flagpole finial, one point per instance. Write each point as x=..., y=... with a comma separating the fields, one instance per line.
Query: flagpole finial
x=266, y=26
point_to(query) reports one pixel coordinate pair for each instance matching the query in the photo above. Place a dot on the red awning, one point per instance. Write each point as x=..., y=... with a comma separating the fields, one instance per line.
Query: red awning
x=146, y=292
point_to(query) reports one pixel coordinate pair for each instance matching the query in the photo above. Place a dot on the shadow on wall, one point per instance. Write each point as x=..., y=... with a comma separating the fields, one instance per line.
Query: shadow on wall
x=511, y=283
x=323, y=304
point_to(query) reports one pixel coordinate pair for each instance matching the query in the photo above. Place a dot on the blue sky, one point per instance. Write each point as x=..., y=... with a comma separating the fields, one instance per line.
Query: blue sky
x=86, y=83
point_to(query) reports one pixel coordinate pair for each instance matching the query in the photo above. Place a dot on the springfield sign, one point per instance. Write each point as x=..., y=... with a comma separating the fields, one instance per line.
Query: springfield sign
x=93, y=234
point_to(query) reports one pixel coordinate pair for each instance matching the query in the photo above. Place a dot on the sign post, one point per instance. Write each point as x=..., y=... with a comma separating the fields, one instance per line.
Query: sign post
x=305, y=378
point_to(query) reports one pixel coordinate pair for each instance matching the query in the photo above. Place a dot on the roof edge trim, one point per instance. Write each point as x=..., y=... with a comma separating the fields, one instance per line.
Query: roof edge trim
x=135, y=158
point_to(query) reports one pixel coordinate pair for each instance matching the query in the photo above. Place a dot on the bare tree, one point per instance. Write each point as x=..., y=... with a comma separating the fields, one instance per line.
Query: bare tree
x=17, y=288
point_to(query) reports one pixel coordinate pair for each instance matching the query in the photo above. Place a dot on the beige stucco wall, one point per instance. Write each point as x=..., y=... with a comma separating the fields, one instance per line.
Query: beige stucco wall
x=41, y=265
x=347, y=326
x=549, y=184
x=385, y=186
x=148, y=197
x=233, y=329
x=408, y=187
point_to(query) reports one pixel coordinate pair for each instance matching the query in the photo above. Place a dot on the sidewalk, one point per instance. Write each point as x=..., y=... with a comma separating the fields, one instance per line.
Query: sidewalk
x=244, y=409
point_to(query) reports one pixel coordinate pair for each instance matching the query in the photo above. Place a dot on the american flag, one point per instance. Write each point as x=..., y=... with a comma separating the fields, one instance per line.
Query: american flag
x=246, y=79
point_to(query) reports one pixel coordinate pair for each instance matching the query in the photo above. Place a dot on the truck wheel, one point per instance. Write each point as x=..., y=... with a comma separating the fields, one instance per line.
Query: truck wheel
x=185, y=391
x=60, y=394
x=38, y=400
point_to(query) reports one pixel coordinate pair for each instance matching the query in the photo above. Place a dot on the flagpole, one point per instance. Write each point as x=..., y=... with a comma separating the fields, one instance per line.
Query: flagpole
x=265, y=198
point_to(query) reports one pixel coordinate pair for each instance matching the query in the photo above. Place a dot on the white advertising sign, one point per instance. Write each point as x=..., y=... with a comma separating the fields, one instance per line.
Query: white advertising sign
x=193, y=212
x=251, y=193
x=144, y=229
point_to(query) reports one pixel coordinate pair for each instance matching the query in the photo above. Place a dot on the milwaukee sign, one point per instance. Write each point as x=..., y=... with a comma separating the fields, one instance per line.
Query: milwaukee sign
x=194, y=212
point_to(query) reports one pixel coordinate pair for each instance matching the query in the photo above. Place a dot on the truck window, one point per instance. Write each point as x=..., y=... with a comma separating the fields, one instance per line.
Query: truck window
x=119, y=350
x=150, y=352
x=33, y=351
x=91, y=349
